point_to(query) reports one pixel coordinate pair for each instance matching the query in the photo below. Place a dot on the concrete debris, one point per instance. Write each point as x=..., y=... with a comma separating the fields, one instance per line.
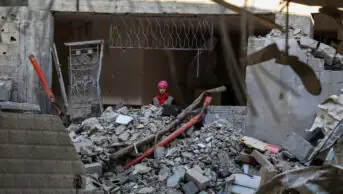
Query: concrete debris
x=94, y=168
x=5, y=90
x=142, y=169
x=200, y=180
x=166, y=171
x=297, y=146
x=146, y=190
x=255, y=143
x=261, y=159
x=205, y=158
x=329, y=113
x=19, y=107
x=163, y=174
x=190, y=188
x=174, y=181
x=123, y=119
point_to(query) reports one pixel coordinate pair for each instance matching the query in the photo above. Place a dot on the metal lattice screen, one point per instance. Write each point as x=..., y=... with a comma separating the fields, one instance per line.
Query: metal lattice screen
x=85, y=59
x=162, y=32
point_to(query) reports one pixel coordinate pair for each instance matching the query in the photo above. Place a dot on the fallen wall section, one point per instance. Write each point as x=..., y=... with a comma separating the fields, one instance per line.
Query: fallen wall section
x=296, y=114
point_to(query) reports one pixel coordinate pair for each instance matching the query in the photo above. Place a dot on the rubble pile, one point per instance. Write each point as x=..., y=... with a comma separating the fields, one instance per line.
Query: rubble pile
x=316, y=53
x=211, y=150
x=204, y=159
x=96, y=138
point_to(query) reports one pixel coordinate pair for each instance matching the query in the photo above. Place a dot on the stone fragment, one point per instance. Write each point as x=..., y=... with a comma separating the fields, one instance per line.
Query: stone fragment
x=94, y=168
x=187, y=155
x=140, y=126
x=297, y=146
x=316, y=64
x=153, y=127
x=120, y=129
x=200, y=180
x=308, y=42
x=174, y=181
x=5, y=90
x=123, y=120
x=124, y=136
x=159, y=152
x=163, y=174
x=247, y=180
x=261, y=159
x=146, y=190
x=190, y=188
x=224, y=164
x=203, y=192
x=73, y=127
x=142, y=169
x=201, y=145
x=123, y=110
x=109, y=115
x=90, y=124
x=180, y=171
x=190, y=131
x=267, y=174
x=328, y=53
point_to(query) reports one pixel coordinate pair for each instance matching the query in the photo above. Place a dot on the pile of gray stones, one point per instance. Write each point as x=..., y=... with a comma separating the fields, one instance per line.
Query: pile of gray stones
x=198, y=161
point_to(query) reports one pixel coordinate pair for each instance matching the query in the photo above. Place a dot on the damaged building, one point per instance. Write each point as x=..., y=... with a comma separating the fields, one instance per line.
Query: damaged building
x=110, y=56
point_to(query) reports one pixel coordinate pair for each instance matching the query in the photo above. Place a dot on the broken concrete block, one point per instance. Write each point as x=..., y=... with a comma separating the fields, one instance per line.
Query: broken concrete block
x=124, y=120
x=224, y=164
x=120, y=129
x=316, y=64
x=190, y=188
x=203, y=192
x=298, y=146
x=267, y=174
x=19, y=107
x=237, y=189
x=328, y=53
x=94, y=168
x=181, y=171
x=159, y=152
x=261, y=159
x=142, y=169
x=163, y=174
x=255, y=143
x=146, y=190
x=174, y=181
x=124, y=136
x=123, y=110
x=90, y=124
x=5, y=90
x=199, y=179
x=308, y=42
x=109, y=115
x=244, y=180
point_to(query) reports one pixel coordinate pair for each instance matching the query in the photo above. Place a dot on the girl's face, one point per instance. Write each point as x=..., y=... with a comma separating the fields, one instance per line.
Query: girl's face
x=162, y=90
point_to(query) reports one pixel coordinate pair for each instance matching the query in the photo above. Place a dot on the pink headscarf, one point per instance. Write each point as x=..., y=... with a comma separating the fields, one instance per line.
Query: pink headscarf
x=162, y=84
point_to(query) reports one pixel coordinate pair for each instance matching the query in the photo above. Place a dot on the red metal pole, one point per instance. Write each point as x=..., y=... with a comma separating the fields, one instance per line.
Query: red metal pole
x=172, y=136
x=41, y=77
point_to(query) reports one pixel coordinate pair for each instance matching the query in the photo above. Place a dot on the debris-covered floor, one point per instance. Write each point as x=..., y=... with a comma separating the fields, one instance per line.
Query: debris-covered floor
x=199, y=160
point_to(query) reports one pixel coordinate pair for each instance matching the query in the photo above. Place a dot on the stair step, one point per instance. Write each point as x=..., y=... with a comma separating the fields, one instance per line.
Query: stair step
x=30, y=121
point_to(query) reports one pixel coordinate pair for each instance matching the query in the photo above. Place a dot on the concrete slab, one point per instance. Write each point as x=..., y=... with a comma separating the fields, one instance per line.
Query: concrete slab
x=19, y=107
x=5, y=90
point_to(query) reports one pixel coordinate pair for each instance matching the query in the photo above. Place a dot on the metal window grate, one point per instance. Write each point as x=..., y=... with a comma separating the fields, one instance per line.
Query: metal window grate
x=85, y=62
x=162, y=32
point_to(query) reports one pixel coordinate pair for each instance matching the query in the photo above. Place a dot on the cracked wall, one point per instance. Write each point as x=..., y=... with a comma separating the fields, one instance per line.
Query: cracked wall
x=295, y=113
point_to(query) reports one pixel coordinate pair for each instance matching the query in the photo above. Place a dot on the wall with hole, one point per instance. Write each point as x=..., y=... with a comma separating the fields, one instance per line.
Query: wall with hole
x=9, y=50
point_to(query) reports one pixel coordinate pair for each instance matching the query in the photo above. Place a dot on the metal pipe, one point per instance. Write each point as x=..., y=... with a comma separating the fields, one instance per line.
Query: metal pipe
x=60, y=78
x=172, y=136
